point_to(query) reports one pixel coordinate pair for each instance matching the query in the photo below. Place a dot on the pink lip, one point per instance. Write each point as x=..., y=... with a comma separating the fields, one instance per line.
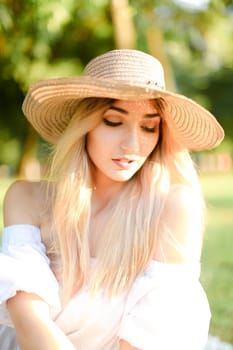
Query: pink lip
x=124, y=163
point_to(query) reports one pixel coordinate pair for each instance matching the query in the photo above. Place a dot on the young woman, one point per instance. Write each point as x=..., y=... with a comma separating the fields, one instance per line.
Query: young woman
x=104, y=254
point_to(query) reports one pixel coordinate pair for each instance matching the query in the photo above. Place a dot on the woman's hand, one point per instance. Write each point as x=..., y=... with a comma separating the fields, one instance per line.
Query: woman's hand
x=34, y=327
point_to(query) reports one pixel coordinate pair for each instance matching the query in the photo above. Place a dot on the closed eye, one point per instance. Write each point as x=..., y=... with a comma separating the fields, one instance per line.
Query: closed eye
x=147, y=129
x=151, y=127
x=110, y=123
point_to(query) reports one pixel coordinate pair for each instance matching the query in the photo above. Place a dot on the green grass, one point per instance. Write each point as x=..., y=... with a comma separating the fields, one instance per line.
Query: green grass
x=4, y=184
x=217, y=257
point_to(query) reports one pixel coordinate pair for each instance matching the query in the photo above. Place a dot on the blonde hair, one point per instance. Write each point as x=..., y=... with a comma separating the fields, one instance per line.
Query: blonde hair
x=129, y=235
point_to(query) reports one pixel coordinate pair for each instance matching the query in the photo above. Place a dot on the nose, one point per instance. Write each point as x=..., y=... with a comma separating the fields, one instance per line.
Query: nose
x=131, y=142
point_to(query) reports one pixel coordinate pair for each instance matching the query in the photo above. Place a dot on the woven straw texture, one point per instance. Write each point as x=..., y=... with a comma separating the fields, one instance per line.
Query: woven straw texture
x=119, y=74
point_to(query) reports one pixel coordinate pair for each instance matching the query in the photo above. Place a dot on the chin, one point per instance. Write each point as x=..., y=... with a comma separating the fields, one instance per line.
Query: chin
x=123, y=178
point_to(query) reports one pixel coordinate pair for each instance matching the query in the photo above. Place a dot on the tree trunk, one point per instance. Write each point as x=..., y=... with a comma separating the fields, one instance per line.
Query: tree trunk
x=29, y=166
x=156, y=48
x=123, y=25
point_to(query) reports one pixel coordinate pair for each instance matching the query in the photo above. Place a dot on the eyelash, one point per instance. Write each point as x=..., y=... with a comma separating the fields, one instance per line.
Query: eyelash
x=109, y=123
x=115, y=124
x=149, y=129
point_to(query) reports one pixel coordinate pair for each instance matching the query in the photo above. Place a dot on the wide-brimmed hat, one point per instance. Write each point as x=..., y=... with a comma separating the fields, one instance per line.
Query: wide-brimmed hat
x=119, y=74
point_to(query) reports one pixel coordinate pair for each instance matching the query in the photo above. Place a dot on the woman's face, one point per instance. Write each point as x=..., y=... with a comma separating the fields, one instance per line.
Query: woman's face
x=126, y=135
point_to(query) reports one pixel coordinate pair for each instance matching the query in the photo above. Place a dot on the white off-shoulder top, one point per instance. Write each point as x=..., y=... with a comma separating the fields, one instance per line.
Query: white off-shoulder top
x=165, y=309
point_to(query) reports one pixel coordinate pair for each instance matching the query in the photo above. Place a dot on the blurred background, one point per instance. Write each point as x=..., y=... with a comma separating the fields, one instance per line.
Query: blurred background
x=193, y=39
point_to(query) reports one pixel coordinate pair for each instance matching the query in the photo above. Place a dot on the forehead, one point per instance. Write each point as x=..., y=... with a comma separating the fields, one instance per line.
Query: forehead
x=139, y=106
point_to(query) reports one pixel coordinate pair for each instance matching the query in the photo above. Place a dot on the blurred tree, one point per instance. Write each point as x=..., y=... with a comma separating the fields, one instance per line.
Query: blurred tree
x=152, y=35
x=192, y=38
x=124, y=30
x=41, y=39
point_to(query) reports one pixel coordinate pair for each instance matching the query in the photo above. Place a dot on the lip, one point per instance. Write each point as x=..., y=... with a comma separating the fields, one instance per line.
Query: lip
x=124, y=163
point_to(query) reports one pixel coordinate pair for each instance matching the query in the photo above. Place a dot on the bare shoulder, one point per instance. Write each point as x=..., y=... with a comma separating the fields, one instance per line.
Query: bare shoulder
x=23, y=203
x=181, y=225
x=183, y=198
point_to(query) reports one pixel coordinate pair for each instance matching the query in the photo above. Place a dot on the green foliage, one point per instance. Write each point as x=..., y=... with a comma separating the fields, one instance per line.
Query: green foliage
x=40, y=39
x=13, y=126
x=192, y=41
x=44, y=38
x=4, y=185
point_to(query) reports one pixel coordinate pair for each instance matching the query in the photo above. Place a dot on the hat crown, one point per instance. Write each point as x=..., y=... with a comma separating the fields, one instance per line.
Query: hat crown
x=129, y=66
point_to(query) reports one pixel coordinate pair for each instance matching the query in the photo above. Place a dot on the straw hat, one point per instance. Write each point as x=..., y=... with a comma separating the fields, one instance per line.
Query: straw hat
x=119, y=74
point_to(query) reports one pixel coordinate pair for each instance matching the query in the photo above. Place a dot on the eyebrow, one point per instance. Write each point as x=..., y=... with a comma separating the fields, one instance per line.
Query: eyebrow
x=124, y=111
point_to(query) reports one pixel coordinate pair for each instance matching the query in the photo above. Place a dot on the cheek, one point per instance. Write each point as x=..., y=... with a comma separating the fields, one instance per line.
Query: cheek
x=96, y=142
x=149, y=143
x=102, y=137
x=92, y=145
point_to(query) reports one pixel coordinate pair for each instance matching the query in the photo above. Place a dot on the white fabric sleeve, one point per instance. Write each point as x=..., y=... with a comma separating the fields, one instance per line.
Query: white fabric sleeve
x=24, y=266
x=166, y=309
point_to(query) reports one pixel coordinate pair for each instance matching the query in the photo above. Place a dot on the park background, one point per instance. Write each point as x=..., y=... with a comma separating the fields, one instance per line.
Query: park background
x=41, y=39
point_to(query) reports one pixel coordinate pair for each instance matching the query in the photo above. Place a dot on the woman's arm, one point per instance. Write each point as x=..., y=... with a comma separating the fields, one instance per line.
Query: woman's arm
x=34, y=327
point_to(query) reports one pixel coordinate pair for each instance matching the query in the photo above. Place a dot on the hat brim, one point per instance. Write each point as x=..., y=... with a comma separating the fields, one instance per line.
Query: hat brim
x=50, y=104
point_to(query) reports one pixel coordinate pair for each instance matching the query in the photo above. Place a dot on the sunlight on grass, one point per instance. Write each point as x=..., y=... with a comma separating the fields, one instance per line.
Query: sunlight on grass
x=217, y=257
x=4, y=184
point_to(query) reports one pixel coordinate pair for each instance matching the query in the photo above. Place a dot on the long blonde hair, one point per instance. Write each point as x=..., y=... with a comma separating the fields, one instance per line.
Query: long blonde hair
x=129, y=235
